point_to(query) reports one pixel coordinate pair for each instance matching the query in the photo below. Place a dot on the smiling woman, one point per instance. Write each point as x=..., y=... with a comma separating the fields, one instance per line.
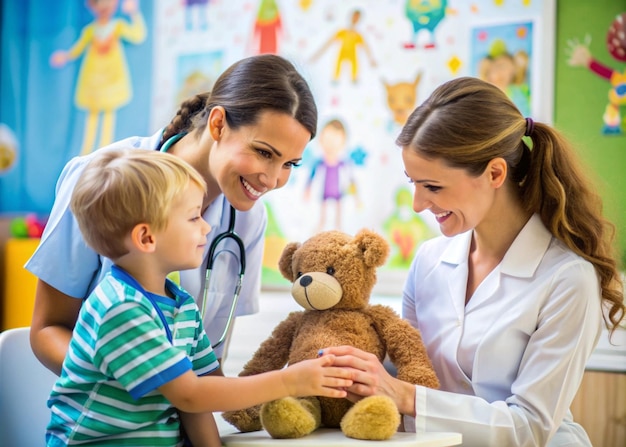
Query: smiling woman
x=247, y=162
x=491, y=173
x=509, y=300
x=442, y=190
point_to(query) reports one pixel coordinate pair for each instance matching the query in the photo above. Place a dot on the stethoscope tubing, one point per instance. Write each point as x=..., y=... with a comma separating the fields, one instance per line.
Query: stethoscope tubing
x=228, y=234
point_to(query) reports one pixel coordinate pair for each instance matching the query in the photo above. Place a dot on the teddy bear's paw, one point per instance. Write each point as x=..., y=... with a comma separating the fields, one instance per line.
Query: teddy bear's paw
x=372, y=418
x=244, y=420
x=291, y=418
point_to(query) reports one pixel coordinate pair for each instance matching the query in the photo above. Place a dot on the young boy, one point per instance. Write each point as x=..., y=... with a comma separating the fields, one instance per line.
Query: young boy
x=139, y=356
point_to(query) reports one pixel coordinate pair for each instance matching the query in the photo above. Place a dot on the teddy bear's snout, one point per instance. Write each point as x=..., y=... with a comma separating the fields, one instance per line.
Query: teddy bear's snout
x=316, y=291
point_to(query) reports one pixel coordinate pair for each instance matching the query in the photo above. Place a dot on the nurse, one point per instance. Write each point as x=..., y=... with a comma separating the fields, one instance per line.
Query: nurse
x=509, y=300
x=244, y=137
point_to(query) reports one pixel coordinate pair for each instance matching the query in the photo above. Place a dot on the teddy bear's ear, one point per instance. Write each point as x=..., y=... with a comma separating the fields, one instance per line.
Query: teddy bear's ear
x=284, y=263
x=374, y=247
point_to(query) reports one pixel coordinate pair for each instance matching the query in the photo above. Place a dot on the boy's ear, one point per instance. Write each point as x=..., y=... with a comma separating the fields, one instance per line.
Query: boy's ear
x=142, y=238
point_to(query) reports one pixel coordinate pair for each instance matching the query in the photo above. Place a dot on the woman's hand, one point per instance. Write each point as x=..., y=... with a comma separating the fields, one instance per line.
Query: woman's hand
x=371, y=378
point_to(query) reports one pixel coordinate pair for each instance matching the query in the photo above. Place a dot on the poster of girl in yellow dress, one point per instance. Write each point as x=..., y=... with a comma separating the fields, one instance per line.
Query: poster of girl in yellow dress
x=103, y=84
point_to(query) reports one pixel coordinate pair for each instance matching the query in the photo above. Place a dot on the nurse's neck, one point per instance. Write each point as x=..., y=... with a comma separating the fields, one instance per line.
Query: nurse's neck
x=195, y=148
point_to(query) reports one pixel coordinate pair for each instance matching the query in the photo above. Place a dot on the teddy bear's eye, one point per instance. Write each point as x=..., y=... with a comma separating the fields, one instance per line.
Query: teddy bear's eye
x=298, y=275
x=330, y=270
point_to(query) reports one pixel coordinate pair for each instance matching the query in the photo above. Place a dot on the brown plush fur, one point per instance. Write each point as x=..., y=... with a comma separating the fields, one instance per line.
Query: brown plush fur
x=333, y=275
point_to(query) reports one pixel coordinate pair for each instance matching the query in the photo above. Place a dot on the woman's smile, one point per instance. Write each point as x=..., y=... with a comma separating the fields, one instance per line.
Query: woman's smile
x=252, y=192
x=441, y=217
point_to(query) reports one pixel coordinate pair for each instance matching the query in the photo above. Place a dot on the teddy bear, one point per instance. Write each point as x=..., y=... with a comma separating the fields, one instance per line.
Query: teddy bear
x=332, y=275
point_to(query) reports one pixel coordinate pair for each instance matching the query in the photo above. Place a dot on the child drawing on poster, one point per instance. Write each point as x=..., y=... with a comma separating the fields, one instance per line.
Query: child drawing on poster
x=616, y=44
x=196, y=9
x=267, y=28
x=349, y=40
x=334, y=168
x=501, y=56
x=103, y=84
x=401, y=100
x=424, y=16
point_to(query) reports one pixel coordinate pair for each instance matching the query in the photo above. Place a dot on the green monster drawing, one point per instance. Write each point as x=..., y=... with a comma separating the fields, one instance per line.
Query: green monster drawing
x=405, y=231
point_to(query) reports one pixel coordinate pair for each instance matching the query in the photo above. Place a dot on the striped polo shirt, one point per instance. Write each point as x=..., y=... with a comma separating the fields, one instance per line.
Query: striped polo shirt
x=127, y=342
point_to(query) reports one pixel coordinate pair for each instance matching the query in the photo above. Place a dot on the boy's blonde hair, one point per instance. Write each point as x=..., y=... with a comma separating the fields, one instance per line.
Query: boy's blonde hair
x=121, y=188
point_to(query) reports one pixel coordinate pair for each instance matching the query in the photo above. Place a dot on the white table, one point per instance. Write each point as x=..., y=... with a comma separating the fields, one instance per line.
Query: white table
x=325, y=437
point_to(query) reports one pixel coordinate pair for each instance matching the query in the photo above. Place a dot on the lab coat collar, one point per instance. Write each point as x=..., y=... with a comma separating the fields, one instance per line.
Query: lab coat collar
x=522, y=258
x=153, y=140
x=528, y=249
x=458, y=249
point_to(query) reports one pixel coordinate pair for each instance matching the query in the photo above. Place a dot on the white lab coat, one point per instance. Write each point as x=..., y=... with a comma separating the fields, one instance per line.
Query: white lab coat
x=511, y=361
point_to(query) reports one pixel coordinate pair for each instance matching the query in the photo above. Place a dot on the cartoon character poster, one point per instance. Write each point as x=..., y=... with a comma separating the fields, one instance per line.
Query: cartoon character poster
x=349, y=40
x=424, y=16
x=580, y=56
x=267, y=30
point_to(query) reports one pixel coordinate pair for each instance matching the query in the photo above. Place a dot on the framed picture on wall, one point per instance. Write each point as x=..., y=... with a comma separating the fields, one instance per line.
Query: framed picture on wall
x=517, y=54
x=503, y=55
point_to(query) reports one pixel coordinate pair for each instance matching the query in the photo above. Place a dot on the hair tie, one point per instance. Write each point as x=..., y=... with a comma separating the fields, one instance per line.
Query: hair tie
x=530, y=127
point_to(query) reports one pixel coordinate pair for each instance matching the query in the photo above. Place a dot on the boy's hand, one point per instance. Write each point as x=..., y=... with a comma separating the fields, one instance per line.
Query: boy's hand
x=317, y=378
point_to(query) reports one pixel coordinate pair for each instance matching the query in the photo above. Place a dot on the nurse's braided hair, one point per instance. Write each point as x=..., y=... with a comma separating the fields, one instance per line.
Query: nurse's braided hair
x=247, y=88
x=467, y=122
x=184, y=116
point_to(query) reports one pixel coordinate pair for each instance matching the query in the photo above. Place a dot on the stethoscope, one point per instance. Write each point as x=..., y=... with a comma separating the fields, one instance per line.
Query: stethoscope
x=228, y=234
